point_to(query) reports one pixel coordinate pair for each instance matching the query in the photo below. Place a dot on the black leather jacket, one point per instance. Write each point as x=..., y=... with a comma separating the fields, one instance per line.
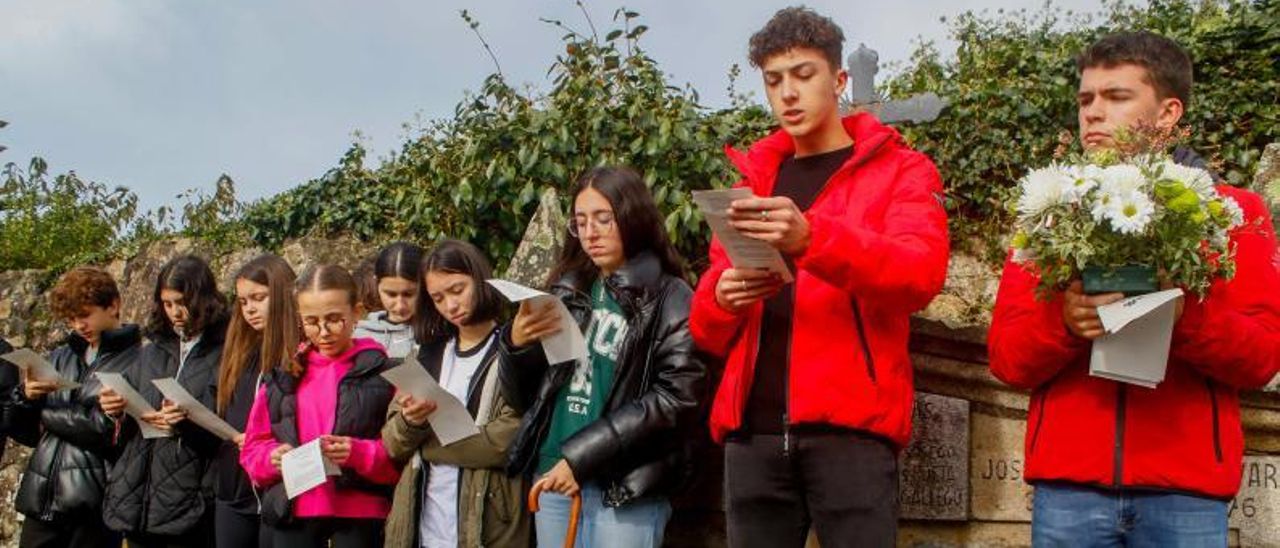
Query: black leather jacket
x=72, y=437
x=640, y=445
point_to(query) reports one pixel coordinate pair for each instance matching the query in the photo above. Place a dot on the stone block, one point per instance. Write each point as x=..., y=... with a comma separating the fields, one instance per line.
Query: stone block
x=934, y=468
x=996, y=464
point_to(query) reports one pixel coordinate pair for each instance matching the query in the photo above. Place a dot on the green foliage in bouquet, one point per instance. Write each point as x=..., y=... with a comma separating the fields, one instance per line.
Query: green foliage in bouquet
x=1115, y=208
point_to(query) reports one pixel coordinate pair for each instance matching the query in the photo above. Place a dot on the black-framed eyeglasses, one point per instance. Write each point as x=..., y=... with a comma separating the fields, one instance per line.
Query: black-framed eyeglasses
x=331, y=325
x=602, y=222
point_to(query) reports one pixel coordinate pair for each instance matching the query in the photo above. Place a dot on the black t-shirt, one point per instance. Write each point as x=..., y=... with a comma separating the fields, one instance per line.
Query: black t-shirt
x=800, y=179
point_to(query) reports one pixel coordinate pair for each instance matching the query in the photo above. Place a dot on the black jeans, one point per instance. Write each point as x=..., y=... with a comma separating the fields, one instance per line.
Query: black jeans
x=82, y=532
x=239, y=530
x=843, y=483
x=317, y=532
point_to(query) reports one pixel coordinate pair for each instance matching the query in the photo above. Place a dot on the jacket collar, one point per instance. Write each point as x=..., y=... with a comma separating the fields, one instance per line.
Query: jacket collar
x=113, y=340
x=211, y=337
x=759, y=165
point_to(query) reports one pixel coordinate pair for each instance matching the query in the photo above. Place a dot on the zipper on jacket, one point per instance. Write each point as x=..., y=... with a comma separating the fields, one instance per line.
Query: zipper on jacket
x=1119, y=446
x=862, y=338
x=46, y=510
x=786, y=380
x=1217, y=437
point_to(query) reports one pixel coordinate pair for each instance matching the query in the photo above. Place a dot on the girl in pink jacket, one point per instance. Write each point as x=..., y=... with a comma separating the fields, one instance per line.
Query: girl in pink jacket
x=331, y=392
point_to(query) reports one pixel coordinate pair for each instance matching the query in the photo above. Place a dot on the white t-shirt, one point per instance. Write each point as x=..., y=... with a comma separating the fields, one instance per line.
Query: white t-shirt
x=438, y=526
x=184, y=350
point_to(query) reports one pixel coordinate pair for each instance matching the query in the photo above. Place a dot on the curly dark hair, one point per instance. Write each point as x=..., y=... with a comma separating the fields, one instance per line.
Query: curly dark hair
x=1168, y=65
x=82, y=287
x=797, y=27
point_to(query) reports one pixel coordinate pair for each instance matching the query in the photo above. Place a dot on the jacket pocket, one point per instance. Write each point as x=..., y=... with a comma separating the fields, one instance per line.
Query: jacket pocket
x=1213, y=407
x=865, y=344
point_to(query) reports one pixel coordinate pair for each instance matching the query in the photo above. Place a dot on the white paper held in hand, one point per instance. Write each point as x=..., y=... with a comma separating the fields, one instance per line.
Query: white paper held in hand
x=134, y=404
x=566, y=345
x=305, y=468
x=744, y=252
x=38, y=368
x=196, y=411
x=450, y=421
x=1135, y=349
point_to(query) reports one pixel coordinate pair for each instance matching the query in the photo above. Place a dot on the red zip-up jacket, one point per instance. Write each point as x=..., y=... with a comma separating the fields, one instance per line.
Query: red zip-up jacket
x=1185, y=434
x=878, y=252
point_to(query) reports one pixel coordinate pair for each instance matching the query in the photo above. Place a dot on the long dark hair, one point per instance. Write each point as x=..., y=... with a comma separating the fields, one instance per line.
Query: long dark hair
x=636, y=219
x=403, y=260
x=458, y=257
x=278, y=338
x=321, y=277
x=189, y=275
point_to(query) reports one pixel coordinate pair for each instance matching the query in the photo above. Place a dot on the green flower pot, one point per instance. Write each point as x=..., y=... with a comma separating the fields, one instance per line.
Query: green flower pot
x=1131, y=280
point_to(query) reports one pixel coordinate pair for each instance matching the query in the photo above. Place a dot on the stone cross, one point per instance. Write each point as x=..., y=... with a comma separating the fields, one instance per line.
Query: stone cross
x=864, y=63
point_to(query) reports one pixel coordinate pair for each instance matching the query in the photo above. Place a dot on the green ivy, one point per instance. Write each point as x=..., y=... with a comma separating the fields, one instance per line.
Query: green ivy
x=1011, y=87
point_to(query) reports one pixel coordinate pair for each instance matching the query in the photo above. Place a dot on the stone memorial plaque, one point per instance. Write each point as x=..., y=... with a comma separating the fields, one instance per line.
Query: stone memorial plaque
x=1255, y=511
x=933, y=472
x=999, y=491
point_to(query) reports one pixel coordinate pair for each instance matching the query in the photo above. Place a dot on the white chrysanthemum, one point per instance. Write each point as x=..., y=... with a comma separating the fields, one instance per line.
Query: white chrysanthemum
x=1042, y=189
x=1233, y=211
x=1083, y=179
x=1130, y=212
x=1196, y=179
x=1121, y=179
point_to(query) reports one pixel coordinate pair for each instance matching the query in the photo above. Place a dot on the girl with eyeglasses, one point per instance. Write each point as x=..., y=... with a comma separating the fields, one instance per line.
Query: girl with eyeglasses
x=614, y=427
x=158, y=493
x=332, y=391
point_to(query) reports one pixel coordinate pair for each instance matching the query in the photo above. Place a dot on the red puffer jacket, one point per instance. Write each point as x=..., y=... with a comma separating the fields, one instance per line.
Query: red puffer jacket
x=1185, y=434
x=878, y=252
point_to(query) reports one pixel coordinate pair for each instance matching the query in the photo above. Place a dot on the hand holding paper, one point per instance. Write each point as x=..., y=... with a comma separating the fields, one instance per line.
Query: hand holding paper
x=1139, y=330
x=744, y=251
x=38, y=368
x=450, y=421
x=306, y=468
x=135, y=405
x=196, y=411
x=567, y=344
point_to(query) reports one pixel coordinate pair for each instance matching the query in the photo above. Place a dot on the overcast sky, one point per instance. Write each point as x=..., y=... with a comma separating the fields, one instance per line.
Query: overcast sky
x=161, y=96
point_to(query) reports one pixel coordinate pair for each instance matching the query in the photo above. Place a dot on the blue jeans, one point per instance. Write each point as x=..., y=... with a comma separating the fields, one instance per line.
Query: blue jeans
x=639, y=524
x=1078, y=516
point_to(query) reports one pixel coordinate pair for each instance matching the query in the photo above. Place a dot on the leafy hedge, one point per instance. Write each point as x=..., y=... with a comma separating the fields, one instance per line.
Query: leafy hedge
x=1012, y=91
x=477, y=175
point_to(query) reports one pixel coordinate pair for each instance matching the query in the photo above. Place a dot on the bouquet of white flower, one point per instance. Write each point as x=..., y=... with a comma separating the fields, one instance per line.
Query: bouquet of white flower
x=1117, y=222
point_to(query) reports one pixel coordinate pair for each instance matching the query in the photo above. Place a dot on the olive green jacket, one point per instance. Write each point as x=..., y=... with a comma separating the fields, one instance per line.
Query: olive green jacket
x=491, y=507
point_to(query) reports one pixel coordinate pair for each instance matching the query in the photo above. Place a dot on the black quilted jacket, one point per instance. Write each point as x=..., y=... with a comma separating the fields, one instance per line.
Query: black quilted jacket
x=164, y=486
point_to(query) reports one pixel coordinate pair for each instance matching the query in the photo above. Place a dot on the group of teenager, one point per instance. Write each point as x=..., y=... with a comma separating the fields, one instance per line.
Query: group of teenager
x=815, y=387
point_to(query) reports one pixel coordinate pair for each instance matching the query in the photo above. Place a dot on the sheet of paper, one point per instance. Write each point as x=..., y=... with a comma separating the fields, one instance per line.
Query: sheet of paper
x=450, y=421
x=566, y=345
x=38, y=368
x=196, y=411
x=1135, y=349
x=744, y=252
x=135, y=405
x=305, y=468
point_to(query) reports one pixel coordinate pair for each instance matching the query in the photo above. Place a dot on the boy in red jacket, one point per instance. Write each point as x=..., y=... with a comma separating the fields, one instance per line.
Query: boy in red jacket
x=817, y=389
x=1115, y=464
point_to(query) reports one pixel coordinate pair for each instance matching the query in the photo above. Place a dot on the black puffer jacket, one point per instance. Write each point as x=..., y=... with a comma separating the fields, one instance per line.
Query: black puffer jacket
x=641, y=443
x=67, y=473
x=163, y=486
